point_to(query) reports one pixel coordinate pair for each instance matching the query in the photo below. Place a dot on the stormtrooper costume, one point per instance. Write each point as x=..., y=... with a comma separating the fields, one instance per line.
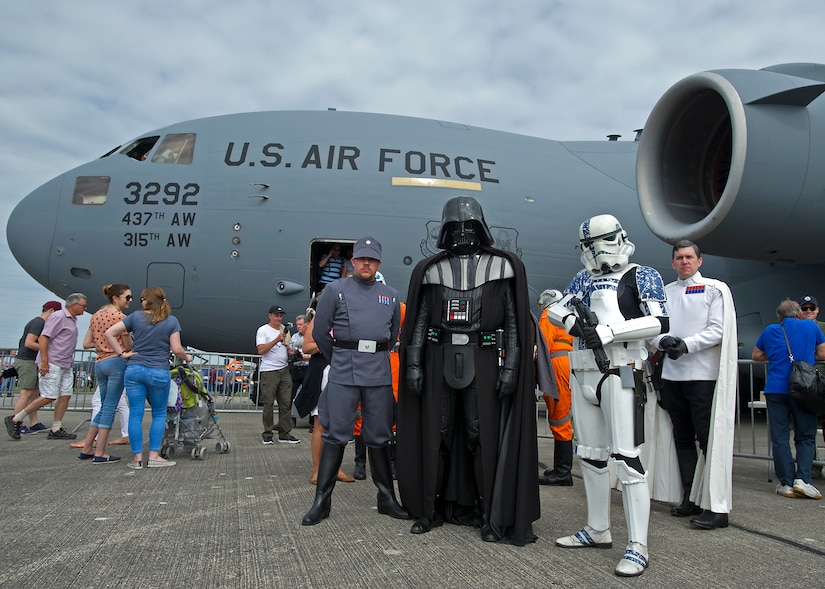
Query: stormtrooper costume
x=628, y=303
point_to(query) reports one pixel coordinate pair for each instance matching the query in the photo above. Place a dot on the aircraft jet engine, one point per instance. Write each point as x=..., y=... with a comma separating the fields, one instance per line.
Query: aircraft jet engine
x=733, y=159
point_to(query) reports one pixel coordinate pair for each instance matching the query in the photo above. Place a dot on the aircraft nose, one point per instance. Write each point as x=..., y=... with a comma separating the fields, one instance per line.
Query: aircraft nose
x=30, y=229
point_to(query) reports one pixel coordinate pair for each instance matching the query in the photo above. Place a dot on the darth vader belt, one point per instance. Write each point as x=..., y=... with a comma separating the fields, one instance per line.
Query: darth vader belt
x=438, y=335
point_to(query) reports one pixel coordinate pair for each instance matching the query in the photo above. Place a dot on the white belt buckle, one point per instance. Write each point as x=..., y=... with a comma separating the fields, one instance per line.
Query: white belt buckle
x=366, y=345
x=459, y=339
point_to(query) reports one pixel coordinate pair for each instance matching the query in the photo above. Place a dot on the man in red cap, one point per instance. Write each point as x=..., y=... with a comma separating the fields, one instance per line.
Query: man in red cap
x=27, y=369
x=56, y=345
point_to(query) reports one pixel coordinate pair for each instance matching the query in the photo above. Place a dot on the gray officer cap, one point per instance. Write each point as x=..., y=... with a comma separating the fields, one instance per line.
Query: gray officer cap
x=367, y=247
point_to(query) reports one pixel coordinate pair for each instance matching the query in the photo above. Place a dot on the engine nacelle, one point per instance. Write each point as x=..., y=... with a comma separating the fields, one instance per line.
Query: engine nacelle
x=735, y=161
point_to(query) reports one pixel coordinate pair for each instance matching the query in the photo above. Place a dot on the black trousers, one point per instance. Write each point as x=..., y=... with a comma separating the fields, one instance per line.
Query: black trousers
x=298, y=373
x=689, y=403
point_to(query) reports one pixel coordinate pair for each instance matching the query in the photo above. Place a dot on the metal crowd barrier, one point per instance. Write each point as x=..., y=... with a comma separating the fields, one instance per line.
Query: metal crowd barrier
x=751, y=434
x=232, y=380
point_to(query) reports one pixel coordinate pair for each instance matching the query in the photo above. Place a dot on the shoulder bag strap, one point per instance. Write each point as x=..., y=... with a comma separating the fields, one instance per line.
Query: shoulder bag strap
x=787, y=343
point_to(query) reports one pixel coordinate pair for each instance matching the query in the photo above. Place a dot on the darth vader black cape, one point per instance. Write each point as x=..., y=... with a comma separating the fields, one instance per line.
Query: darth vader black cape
x=507, y=426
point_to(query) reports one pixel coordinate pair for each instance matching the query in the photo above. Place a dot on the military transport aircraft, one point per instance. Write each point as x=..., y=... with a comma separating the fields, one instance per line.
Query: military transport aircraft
x=231, y=214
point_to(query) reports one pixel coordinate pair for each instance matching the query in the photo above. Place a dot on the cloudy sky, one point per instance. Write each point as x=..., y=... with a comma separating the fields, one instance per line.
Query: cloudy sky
x=79, y=78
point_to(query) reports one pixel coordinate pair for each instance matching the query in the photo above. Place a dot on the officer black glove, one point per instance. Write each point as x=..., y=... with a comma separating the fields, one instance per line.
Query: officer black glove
x=668, y=341
x=506, y=383
x=677, y=350
x=415, y=379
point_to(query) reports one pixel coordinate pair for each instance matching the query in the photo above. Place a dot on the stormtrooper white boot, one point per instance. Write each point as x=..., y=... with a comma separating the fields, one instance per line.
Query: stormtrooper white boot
x=596, y=534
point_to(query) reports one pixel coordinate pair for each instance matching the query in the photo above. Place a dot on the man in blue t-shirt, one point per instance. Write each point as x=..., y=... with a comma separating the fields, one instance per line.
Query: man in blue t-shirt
x=806, y=342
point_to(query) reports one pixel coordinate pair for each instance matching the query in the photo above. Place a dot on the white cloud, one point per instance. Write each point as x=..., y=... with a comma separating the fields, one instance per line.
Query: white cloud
x=79, y=78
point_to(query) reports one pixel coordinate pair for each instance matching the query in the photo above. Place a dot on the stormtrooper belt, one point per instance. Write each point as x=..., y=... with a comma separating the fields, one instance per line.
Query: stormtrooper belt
x=438, y=335
x=362, y=345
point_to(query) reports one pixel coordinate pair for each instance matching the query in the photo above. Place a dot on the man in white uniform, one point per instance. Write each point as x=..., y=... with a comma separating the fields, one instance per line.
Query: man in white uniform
x=699, y=376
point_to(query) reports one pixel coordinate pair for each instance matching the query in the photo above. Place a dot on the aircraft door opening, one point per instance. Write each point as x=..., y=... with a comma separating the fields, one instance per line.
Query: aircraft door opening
x=319, y=250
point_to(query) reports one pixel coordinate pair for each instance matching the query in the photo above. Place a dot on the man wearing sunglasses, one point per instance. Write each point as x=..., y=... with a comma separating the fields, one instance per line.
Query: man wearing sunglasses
x=810, y=310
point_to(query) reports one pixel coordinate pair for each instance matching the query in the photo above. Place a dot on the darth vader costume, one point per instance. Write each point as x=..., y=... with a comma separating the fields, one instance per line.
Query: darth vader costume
x=466, y=407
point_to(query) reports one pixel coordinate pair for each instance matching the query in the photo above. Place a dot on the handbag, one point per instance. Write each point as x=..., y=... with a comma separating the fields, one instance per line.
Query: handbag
x=806, y=384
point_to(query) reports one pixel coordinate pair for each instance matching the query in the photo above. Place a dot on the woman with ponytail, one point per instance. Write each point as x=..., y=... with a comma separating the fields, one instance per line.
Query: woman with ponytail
x=156, y=333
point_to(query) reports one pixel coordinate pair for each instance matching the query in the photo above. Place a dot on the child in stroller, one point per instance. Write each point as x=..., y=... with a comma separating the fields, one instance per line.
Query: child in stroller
x=191, y=417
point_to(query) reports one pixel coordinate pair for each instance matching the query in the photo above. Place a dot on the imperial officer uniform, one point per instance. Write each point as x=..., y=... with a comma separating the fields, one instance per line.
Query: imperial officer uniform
x=356, y=324
x=699, y=376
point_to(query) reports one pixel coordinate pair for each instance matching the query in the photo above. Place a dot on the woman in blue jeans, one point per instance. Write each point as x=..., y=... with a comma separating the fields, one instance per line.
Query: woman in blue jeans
x=807, y=343
x=155, y=332
x=109, y=370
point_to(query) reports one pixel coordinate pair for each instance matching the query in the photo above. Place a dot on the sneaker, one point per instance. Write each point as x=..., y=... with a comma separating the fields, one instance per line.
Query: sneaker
x=24, y=430
x=804, y=489
x=785, y=491
x=268, y=441
x=13, y=427
x=37, y=428
x=136, y=465
x=61, y=434
x=105, y=459
x=288, y=439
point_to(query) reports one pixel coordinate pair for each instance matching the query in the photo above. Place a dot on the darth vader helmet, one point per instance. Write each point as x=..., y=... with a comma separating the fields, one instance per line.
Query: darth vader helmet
x=463, y=228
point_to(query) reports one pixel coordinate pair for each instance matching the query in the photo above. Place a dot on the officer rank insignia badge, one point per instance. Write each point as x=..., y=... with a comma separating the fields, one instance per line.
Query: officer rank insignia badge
x=383, y=299
x=695, y=289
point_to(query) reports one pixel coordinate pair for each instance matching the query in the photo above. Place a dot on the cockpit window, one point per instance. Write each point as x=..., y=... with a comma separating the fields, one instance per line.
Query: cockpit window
x=110, y=152
x=90, y=190
x=176, y=148
x=140, y=147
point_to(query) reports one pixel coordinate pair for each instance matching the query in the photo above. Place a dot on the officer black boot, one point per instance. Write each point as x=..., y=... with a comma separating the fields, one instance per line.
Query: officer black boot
x=360, y=460
x=392, y=458
x=382, y=477
x=561, y=475
x=687, y=464
x=331, y=457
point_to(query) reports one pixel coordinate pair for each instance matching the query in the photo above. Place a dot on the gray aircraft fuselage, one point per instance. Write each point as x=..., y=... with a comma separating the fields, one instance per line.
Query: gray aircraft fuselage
x=231, y=214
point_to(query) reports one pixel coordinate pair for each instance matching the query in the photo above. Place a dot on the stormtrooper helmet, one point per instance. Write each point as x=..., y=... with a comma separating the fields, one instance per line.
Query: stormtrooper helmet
x=548, y=297
x=604, y=244
x=380, y=278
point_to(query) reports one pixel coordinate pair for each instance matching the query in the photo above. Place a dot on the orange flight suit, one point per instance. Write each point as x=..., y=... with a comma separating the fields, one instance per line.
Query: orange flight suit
x=559, y=343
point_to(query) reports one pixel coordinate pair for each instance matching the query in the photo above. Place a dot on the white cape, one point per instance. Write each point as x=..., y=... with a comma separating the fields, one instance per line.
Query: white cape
x=713, y=479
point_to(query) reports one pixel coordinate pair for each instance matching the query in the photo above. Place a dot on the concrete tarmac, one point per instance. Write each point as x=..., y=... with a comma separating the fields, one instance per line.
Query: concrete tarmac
x=234, y=521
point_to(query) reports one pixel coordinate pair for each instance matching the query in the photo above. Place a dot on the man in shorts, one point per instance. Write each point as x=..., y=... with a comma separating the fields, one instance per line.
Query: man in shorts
x=26, y=367
x=57, y=343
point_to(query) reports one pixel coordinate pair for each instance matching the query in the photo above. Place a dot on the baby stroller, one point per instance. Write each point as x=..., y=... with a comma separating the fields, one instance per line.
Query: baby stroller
x=191, y=421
